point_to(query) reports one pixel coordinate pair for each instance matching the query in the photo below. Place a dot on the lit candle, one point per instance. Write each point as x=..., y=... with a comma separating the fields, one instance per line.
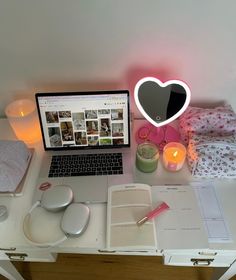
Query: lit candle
x=174, y=155
x=23, y=119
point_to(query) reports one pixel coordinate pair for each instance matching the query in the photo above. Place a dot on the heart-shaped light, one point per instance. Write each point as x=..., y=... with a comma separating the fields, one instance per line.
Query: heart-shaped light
x=161, y=103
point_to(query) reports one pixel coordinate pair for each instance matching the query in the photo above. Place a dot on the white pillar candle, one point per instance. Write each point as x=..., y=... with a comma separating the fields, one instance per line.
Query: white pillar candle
x=23, y=119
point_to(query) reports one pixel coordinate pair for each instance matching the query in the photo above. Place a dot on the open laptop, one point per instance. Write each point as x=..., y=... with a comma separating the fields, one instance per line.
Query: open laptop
x=82, y=123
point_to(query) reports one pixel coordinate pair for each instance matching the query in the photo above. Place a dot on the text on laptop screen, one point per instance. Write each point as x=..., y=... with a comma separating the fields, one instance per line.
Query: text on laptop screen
x=80, y=120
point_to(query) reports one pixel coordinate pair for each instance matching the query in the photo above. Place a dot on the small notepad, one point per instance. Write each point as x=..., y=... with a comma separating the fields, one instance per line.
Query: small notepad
x=126, y=205
x=14, y=160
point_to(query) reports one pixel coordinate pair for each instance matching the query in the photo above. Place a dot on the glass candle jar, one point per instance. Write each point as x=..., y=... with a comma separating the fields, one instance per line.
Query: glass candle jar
x=23, y=119
x=174, y=155
x=147, y=156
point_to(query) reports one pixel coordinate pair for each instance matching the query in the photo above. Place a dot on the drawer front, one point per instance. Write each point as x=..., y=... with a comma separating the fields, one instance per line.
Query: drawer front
x=29, y=256
x=211, y=259
x=17, y=256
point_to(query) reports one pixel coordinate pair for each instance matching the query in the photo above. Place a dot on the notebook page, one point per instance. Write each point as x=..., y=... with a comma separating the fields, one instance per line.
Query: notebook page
x=126, y=205
x=14, y=160
x=181, y=227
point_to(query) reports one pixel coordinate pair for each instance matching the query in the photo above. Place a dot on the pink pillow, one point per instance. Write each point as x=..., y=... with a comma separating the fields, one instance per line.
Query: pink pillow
x=218, y=121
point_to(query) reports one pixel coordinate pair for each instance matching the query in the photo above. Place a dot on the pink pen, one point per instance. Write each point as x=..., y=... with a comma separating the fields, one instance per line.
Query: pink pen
x=159, y=209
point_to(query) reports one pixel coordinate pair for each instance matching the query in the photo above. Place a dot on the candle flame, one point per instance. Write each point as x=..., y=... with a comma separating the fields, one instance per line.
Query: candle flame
x=175, y=153
x=22, y=114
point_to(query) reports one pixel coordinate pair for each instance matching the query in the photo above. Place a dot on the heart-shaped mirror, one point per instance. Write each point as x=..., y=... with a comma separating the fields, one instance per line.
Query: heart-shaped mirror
x=161, y=103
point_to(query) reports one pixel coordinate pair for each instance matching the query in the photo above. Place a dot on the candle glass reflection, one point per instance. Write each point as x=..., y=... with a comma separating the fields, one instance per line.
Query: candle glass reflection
x=174, y=155
x=23, y=119
x=147, y=156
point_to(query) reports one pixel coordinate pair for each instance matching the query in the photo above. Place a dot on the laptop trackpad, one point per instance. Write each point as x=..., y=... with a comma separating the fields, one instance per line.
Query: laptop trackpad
x=88, y=188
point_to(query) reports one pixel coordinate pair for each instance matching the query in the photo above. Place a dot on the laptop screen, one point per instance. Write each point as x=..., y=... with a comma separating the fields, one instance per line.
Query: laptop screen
x=82, y=120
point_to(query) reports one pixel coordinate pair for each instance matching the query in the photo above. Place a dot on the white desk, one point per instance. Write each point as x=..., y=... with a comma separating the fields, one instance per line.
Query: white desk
x=13, y=245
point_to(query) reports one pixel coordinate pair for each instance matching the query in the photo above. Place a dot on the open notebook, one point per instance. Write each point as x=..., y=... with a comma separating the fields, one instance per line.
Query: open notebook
x=126, y=205
x=180, y=227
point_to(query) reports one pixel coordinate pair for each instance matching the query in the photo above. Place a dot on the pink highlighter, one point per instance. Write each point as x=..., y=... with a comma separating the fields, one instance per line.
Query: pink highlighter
x=150, y=215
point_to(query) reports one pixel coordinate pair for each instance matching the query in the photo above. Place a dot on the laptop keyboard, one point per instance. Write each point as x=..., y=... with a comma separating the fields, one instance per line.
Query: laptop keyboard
x=86, y=164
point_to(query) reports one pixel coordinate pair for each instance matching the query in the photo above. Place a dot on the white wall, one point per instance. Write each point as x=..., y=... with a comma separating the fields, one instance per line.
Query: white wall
x=75, y=44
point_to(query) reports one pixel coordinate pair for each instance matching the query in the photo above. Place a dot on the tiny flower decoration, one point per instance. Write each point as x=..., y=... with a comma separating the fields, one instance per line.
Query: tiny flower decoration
x=161, y=103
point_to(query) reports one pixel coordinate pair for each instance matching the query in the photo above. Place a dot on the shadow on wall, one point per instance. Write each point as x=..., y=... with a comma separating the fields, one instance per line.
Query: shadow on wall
x=136, y=73
x=128, y=81
x=89, y=85
x=208, y=103
x=163, y=74
x=60, y=87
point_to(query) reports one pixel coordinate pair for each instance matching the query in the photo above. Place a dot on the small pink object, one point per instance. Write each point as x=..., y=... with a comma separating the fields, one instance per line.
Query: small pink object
x=44, y=186
x=152, y=214
x=158, y=135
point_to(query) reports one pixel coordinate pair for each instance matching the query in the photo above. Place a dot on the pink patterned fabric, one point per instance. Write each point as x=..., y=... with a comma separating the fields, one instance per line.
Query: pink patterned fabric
x=212, y=156
x=210, y=136
x=217, y=121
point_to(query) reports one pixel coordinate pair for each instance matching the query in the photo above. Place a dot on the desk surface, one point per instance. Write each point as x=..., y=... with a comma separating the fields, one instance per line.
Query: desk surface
x=11, y=234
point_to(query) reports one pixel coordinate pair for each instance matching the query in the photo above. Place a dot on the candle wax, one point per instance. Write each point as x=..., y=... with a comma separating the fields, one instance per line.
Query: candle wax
x=174, y=154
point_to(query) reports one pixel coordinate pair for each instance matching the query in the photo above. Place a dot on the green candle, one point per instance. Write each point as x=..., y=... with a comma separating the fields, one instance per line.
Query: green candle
x=147, y=157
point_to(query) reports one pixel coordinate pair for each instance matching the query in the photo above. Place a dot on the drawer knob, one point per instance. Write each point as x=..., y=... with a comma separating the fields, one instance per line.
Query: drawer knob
x=201, y=262
x=17, y=256
x=207, y=253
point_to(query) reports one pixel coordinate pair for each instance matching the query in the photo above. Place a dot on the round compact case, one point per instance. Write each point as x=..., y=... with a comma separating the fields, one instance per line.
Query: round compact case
x=74, y=220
